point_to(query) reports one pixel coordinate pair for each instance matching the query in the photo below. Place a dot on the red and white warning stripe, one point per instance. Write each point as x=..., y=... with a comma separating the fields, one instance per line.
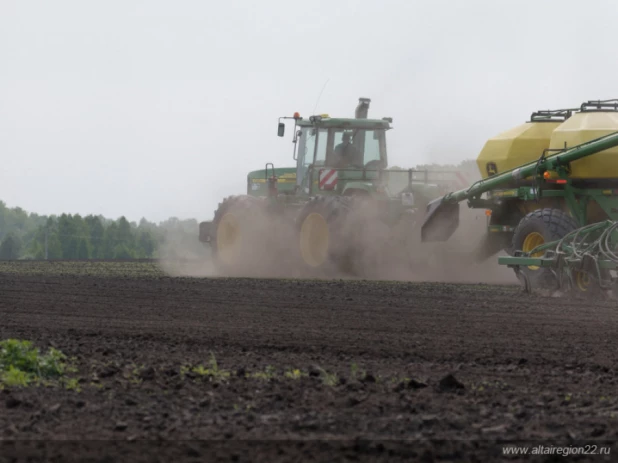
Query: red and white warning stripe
x=328, y=179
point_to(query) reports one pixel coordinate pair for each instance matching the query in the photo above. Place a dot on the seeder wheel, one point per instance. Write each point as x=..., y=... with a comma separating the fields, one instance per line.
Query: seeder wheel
x=589, y=284
x=535, y=229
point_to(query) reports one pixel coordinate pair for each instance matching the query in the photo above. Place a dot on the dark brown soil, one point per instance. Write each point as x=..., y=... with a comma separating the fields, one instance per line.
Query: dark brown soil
x=423, y=371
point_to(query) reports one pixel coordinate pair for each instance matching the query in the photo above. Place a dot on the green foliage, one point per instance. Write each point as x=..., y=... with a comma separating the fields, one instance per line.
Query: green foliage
x=17, y=222
x=123, y=251
x=10, y=248
x=124, y=234
x=97, y=232
x=14, y=377
x=266, y=375
x=72, y=384
x=22, y=364
x=356, y=372
x=212, y=372
x=328, y=379
x=29, y=236
x=294, y=374
x=134, y=374
x=146, y=245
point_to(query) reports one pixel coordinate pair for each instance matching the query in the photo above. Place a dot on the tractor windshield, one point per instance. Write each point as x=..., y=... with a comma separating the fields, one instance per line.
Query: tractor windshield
x=364, y=147
x=346, y=148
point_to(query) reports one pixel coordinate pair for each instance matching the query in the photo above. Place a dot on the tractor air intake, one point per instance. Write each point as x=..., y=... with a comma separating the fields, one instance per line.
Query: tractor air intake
x=362, y=110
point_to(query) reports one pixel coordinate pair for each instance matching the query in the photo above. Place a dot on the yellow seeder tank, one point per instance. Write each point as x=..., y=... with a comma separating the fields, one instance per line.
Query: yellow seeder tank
x=595, y=119
x=521, y=144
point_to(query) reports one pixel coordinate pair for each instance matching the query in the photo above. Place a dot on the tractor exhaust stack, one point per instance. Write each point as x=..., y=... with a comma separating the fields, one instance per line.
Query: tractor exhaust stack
x=362, y=110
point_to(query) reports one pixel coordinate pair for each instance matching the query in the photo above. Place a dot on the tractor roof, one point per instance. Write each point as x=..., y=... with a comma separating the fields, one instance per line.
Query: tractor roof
x=328, y=122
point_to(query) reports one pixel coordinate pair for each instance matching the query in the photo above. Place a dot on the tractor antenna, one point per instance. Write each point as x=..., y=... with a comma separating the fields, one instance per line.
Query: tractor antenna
x=320, y=95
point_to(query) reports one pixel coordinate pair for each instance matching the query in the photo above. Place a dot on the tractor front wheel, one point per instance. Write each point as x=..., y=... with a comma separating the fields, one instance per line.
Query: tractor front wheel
x=535, y=229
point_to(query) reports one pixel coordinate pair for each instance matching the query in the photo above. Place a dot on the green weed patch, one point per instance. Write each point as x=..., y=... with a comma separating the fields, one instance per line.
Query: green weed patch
x=22, y=365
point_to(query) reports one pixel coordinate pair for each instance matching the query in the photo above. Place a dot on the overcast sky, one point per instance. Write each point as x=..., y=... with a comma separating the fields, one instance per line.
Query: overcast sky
x=159, y=108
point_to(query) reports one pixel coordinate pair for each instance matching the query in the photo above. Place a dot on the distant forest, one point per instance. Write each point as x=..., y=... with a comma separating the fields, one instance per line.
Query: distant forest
x=26, y=235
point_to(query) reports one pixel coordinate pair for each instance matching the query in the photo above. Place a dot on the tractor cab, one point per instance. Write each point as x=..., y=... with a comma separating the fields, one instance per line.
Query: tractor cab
x=348, y=156
x=339, y=155
x=334, y=152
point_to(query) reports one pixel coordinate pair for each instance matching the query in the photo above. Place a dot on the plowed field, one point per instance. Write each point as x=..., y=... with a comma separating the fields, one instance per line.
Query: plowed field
x=264, y=370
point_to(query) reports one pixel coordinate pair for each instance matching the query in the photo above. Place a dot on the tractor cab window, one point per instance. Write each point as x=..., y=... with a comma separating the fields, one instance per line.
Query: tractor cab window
x=343, y=148
x=322, y=147
x=346, y=151
x=308, y=142
x=355, y=148
x=374, y=140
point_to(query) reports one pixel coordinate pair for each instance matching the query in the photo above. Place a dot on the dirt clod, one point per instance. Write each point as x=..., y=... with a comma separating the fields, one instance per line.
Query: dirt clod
x=147, y=374
x=450, y=383
x=109, y=371
x=12, y=402
x=414, y=384
x=54, y=408
x=121, y=426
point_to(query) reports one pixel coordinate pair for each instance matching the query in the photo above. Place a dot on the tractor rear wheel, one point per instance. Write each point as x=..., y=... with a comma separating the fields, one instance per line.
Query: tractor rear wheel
x=237, y=225
x=535, y=229
x=321, y=233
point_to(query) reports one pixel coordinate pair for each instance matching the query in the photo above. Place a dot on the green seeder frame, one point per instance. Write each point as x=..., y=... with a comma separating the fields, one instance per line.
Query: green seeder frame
x=587, y=252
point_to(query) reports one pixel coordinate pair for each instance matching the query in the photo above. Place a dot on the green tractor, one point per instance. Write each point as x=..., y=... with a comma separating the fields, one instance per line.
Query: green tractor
x=339, y=209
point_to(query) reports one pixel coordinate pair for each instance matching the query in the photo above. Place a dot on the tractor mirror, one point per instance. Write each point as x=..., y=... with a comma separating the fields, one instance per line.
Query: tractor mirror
x=281, y=129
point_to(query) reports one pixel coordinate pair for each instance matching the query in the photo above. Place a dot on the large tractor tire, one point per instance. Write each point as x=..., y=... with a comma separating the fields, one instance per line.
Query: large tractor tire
x=238, y=225
x=537, y=228
x=321, y=232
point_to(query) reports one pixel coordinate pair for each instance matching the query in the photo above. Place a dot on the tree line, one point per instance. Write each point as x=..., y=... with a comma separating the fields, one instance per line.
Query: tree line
x=26, y=235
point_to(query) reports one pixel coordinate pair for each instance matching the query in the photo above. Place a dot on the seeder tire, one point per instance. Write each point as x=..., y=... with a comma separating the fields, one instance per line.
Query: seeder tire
x=536, y=228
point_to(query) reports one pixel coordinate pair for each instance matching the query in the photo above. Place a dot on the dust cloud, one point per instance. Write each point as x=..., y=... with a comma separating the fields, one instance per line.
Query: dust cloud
x=457, y=263
x=270, y=249
x=181, y=255
x=382, y=255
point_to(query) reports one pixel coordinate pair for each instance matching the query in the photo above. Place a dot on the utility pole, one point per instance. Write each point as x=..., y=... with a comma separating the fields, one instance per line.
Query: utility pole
x=46, y=233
